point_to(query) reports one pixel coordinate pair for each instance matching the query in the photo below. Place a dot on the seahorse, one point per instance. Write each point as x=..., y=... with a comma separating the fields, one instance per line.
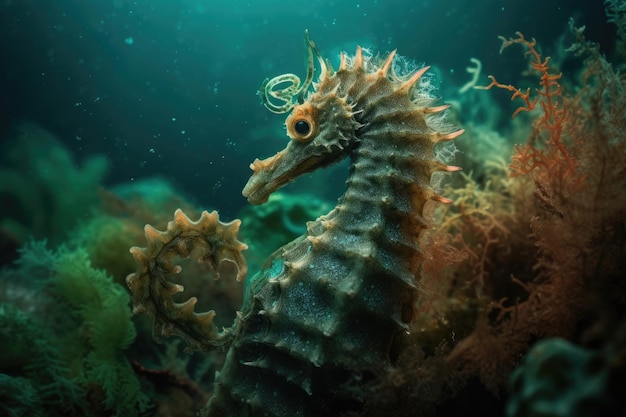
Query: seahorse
x=330, y=310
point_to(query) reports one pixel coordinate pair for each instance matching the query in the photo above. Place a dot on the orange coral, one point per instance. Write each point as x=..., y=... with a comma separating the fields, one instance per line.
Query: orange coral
x=550, y=126
x=572, y=256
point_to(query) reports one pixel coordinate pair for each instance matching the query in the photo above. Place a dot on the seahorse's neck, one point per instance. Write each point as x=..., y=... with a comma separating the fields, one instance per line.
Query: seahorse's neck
x=380, y=216
x=385, y=197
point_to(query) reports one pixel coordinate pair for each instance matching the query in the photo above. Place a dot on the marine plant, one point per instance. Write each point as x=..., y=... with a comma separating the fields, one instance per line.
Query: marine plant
x=33, y=377
x=37, y=171
x=72, y=336
x=330, y=310
x=571, y=171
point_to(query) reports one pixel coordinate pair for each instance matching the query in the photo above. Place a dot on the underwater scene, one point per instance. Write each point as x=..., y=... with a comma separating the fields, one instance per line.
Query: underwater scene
x=301, y=209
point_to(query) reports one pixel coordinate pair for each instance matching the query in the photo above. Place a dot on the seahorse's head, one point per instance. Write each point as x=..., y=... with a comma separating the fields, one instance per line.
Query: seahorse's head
x=321, y=128
x=364, y=100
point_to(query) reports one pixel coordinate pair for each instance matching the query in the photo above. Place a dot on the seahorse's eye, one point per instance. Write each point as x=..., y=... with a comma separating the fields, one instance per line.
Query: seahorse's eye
x=302, y=127
x=302, y=123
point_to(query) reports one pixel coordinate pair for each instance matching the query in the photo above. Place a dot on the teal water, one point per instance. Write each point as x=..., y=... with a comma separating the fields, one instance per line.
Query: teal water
x=169, y=87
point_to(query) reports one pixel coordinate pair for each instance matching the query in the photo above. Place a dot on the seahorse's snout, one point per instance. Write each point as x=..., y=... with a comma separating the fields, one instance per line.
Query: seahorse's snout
x=261, y=185
x=273, y=173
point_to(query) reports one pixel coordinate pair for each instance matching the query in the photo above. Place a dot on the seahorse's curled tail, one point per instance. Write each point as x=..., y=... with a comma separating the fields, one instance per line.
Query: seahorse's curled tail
x=218, y=248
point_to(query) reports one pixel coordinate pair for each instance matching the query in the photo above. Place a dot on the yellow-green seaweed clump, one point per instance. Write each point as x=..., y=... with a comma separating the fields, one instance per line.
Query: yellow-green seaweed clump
x=76, y=329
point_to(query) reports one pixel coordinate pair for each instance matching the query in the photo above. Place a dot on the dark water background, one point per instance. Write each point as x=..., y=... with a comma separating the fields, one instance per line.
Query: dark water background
x=168, y=87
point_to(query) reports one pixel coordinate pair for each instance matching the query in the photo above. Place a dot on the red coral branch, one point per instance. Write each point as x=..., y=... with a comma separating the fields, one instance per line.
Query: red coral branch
x=550, y=124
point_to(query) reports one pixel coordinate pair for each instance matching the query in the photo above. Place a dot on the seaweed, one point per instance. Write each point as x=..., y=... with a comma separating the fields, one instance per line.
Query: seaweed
x=71, y=346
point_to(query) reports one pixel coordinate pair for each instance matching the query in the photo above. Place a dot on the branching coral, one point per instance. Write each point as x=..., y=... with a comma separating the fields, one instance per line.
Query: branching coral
x=554, y=117
x=573, y=165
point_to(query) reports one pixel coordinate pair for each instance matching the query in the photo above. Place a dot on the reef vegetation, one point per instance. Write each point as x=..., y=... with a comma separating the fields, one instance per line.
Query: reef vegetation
x=520, y=307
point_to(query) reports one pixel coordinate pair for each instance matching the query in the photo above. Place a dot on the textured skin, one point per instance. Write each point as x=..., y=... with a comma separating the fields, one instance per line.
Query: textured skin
x=329, y=310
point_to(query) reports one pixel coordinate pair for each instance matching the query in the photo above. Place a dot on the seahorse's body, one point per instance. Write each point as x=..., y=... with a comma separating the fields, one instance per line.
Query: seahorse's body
x=329, y=309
